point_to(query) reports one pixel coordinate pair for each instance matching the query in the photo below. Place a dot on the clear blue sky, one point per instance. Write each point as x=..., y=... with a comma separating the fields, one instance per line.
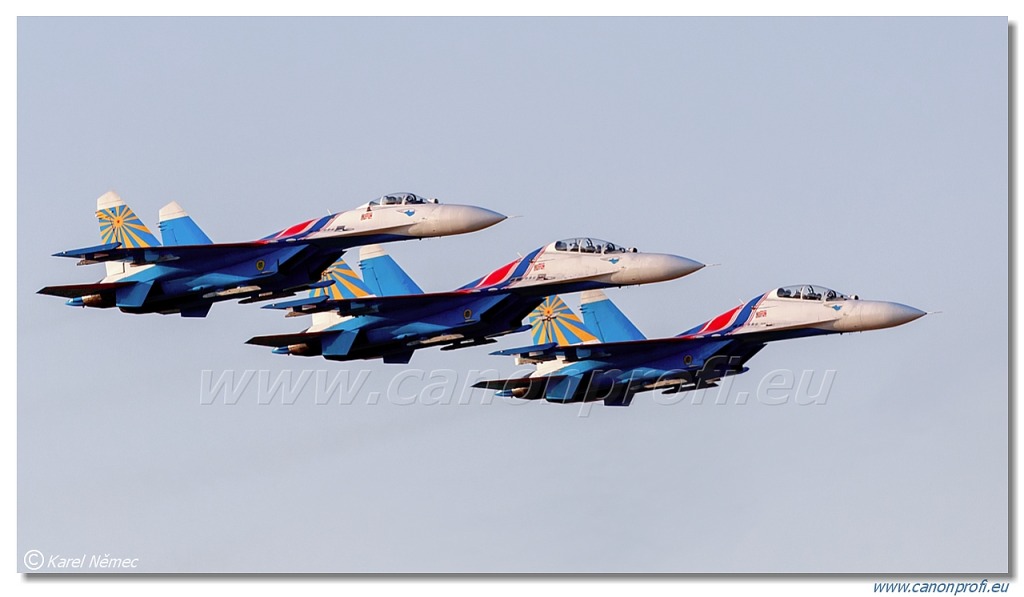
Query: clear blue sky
x=869, y=155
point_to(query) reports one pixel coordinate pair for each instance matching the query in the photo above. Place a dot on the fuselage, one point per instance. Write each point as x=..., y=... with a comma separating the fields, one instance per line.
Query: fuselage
x=493, y=305
x=702, y=355
x=393, y=217
x=578, y=264
x=280, y=264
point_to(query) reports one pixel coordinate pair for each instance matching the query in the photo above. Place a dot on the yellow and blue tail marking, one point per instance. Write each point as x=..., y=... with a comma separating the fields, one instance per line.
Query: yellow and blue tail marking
x=554, y=321
x=119, y=224
x=347, y=285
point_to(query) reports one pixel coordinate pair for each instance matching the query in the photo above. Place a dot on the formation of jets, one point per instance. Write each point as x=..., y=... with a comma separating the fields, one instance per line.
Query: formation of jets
x=384, y=314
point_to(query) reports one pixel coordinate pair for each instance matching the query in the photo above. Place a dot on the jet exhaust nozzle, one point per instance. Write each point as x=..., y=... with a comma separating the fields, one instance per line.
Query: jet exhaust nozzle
x=300, y=350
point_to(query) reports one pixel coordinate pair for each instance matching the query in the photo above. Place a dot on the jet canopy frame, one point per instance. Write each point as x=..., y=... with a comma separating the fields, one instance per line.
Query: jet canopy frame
x=810, y=292
x=585, y=244
x=400, y=199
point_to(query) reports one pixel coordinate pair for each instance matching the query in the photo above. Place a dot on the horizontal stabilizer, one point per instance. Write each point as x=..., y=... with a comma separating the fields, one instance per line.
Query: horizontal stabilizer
x=90, y=254
x=526, y=388
x=507, y=384
x=379, y=305
x=266, y=296
x=77, y=290
x=553, y=388
x=298, y=304
x=285, y=339
x=525, y=350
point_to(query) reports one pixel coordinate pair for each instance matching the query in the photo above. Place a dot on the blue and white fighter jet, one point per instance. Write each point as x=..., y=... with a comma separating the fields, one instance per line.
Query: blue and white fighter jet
x=386, y=315
x=620, y=361
x=188, y=272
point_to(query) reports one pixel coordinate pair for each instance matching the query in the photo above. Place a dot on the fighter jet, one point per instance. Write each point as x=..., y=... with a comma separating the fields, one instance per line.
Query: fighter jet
x=387, y=316
x=620, y=361
x=188, y=272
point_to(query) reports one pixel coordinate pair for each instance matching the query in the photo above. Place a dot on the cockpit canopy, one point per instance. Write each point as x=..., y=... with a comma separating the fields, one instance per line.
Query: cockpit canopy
x=589, y=245
x=810, y=293
x=401, y=199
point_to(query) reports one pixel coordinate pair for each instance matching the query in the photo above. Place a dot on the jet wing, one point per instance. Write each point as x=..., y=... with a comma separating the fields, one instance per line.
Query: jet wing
x=146, y=255
x=603, y=350
x=93, y=254
x=508, y=384
x=376, y=305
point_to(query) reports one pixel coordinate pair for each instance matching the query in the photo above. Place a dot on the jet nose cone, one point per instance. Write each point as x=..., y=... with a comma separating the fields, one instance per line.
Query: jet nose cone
x=677, y=267
x=878, y=315
x=469, y=218
x=644, y=268
x=901, y=314
x=444, y=220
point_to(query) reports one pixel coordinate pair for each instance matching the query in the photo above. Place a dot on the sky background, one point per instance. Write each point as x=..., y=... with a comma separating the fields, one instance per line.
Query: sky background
x=868, y=155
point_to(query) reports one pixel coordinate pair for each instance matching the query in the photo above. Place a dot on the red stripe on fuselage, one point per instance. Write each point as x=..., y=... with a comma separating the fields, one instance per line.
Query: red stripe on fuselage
x=295, y=229
x=498, y=275
x=721, y=321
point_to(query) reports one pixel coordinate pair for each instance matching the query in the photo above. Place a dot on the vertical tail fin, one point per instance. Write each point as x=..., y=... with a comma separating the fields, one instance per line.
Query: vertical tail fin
x=554, y=321
x=383, y=275
x=606, y=320
x=119, y=224
x=178, y=228
x=347, y=284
